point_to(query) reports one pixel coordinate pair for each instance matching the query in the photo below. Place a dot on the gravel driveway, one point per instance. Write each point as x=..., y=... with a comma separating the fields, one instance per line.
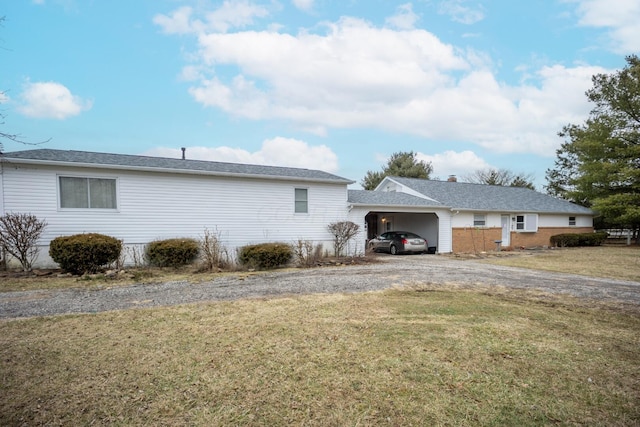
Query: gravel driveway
x=391, y=271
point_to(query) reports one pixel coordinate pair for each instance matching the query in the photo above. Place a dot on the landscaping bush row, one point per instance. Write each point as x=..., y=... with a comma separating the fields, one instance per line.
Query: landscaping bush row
x=89, y=253
x=578, y=239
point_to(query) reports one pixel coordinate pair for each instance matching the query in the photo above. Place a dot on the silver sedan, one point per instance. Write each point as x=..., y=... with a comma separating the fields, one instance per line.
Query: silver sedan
x=396, y=242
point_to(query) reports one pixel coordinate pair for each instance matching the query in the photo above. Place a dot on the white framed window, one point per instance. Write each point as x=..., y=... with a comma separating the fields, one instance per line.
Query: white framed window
x=87, y=193
x=301, y=200
x=527, y=223
x=479, y=220
x=572, y=220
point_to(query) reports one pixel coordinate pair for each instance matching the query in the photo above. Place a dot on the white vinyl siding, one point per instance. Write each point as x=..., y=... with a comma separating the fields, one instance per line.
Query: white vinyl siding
x=166, y=205
x=87, y=193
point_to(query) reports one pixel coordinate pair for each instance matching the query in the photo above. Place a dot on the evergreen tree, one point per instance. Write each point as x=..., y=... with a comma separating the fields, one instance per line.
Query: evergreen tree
x=599, y=163
x=403, y=164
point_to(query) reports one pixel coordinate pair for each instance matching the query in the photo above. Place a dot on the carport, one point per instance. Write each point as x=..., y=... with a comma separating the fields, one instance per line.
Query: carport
x=379, y=211
x=424, y=224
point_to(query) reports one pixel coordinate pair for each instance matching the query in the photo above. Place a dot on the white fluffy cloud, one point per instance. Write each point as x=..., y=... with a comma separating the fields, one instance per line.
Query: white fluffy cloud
x=354, y=74
x=278, y=151
x=51, y=100
x=621, y=18
x=454, y=163
x=404, y=19
x=461, y=12
x=305, y=5
x=231, y=14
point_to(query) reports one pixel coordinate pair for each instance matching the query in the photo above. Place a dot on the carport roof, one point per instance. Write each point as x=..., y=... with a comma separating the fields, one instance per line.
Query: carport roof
x=481, y=197
x=386, y=198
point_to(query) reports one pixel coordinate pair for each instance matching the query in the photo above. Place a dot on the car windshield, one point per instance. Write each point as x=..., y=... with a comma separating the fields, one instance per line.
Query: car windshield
x=411, y=236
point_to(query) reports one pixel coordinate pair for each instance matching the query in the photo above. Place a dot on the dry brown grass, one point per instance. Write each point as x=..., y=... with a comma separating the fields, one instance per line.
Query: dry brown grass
x=412, y=357
x=616, y=262
x=56, y=280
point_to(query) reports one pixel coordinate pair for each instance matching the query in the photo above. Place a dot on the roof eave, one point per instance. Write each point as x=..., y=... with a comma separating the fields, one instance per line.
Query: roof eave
x=378, y=206
x=505, y=211
x=10, y=160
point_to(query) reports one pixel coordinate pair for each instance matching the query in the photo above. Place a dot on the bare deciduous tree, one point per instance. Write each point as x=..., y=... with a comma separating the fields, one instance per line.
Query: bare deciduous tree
x=503, y=177
x=342, y=232
x=19, y=234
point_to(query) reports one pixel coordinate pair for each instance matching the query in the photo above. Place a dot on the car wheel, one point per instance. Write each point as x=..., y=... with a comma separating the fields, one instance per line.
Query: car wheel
x=393, y=250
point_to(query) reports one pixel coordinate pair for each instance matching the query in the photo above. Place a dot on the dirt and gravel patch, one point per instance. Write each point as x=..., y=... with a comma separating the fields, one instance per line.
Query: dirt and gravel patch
x=388, y=272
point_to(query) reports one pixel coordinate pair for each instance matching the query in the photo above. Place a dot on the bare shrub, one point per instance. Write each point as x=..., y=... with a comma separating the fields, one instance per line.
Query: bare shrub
x=19, y=233
x=342, y=232
x=213, y=253
x=136, y=254
x=118, y=264
x=305, y=253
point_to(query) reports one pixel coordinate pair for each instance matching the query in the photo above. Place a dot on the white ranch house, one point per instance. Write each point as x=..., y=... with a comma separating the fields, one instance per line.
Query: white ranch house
x=139, y=199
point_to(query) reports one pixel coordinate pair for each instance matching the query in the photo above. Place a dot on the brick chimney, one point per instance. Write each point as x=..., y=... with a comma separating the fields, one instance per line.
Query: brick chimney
x=452, y=178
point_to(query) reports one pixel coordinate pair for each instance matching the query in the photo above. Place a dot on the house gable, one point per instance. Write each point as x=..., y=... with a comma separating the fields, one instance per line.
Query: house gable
x=392, y=185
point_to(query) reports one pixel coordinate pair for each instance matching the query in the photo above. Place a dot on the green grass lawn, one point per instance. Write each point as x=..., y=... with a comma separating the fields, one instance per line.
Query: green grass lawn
x=413, y=357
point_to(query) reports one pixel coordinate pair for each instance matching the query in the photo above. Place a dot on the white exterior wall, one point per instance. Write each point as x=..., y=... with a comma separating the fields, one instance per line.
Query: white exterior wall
x=563, y=220
x=165, y=205
x=358, y=244
x=465, y=220
x=445, y=244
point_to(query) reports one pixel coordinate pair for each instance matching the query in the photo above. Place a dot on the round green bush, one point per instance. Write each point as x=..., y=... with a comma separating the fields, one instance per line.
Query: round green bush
x=84, y=253
x=265, y=255
x=172, y=252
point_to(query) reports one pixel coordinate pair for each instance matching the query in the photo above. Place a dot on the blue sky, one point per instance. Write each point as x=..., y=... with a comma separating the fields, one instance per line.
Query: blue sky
x=331, y=85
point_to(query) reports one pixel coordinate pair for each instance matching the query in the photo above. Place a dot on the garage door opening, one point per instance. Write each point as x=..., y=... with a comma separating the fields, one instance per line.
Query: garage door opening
x=422, y=224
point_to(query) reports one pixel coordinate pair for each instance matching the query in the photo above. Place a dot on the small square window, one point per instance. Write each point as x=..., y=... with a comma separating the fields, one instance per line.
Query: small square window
x=479, y=220
x=572, y=220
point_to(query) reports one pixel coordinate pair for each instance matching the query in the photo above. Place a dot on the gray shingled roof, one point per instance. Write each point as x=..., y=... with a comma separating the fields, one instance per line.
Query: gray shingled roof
x=125, y=161
x=385, y=198
x=480, y=197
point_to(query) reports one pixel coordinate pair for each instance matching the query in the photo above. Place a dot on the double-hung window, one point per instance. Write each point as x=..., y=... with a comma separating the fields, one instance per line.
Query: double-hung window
x=479, y=220
x=572, y=220
x=301, y=200
x=527, y=223
x=87, y=193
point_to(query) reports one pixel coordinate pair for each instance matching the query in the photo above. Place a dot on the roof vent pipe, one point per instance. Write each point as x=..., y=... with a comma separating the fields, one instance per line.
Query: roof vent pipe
x=452, y=178
x=184, y=149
